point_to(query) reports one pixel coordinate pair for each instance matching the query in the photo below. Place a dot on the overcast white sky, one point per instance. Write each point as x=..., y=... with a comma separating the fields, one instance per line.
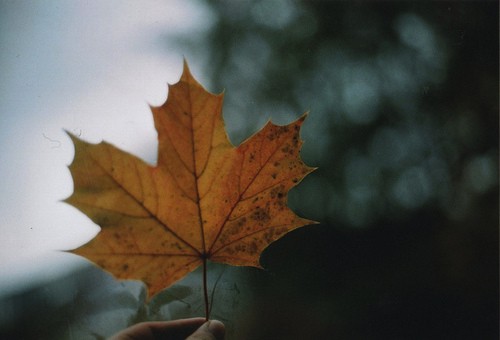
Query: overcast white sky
x=92, y=68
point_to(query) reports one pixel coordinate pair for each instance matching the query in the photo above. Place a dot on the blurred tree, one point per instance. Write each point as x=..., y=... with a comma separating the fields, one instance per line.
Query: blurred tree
x=402, y=97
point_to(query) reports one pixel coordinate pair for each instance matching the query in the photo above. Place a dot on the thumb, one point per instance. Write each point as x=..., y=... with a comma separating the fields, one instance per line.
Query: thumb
x=210, y=330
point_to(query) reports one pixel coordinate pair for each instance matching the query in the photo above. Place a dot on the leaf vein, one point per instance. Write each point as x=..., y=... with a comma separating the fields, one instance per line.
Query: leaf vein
x=245, y=236
x=238, y=201
x=211, y=146
x=164, y=225
x=167, y=133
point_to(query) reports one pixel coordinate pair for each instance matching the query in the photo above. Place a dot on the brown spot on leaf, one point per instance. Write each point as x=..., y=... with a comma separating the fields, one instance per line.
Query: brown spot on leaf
x=242, y=221
x=260, y=215
x=252, y=247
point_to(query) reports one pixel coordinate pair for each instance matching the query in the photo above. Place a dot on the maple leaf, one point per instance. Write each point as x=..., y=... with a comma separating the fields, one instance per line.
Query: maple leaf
x=204, y=200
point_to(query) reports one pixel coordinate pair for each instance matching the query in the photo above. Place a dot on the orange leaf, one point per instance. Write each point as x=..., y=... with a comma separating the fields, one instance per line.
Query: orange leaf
x=204, y=200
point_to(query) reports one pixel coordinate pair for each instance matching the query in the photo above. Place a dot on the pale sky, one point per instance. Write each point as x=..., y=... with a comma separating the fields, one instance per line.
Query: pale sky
x=89, y=67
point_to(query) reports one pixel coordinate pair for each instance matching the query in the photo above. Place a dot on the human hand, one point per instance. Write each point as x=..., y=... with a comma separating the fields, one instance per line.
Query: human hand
x=184, y=329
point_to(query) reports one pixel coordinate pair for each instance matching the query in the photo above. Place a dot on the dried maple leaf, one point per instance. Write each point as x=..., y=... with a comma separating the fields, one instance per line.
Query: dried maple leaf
x=204, y=200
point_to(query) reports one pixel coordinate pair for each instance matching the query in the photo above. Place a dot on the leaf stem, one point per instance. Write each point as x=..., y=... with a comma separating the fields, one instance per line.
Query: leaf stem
x=205, y=289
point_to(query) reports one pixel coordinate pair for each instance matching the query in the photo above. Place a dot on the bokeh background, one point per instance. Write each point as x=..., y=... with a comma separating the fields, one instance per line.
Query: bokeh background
x=403, y=125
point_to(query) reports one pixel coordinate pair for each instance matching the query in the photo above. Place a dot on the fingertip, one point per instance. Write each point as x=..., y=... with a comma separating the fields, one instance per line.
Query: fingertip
x=217, y=328
x=210, y=330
